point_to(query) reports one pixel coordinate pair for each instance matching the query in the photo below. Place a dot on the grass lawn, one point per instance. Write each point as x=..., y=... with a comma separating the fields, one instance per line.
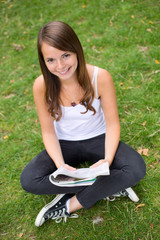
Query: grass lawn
x=122, y=36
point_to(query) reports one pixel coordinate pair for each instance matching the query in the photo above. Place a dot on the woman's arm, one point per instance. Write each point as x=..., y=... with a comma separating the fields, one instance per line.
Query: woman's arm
x=106, y=92
x=47, y=127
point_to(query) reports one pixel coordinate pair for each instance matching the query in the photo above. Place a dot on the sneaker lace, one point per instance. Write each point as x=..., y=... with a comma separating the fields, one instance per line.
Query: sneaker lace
x=118, y=194
x=60, y=214
x=123, y=193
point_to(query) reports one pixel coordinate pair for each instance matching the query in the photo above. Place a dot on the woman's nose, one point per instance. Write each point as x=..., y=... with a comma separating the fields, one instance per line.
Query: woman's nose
x=60, y=64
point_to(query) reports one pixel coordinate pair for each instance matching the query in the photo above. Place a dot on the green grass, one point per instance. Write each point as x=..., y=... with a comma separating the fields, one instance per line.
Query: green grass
x=121, y=36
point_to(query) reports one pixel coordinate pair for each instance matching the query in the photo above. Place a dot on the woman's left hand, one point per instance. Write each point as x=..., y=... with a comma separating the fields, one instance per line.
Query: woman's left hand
x=98, y=163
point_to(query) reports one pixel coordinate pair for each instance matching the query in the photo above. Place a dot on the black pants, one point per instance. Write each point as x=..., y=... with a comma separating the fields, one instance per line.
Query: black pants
x=127, y=169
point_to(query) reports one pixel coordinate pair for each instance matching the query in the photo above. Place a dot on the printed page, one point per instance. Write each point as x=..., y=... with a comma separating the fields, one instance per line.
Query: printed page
x=69, y=182
x=82, y=173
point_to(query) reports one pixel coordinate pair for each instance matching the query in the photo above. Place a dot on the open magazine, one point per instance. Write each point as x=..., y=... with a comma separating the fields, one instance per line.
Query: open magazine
x=80, y=177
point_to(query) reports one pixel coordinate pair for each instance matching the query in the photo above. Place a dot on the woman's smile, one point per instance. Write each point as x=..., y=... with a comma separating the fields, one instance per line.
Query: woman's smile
x=65, y=71
x=63, y=64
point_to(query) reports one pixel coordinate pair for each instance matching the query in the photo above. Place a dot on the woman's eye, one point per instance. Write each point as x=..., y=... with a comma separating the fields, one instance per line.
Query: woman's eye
x=50, y=60
x=66, y=55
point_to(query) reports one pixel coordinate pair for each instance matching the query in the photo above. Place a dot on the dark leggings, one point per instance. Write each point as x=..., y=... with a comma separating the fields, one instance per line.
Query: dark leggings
x=127, y=169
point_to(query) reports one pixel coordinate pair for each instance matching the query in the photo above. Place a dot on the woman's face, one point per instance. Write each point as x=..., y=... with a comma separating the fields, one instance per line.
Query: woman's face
x=63, y=64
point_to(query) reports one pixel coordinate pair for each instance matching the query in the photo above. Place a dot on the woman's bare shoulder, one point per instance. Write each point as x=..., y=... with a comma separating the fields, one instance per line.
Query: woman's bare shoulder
x=103, y=74
x=105, y=82
x=90, y=70
x=39, y=85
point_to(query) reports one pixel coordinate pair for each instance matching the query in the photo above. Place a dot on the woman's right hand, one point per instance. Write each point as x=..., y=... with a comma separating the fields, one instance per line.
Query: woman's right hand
x=68, y=167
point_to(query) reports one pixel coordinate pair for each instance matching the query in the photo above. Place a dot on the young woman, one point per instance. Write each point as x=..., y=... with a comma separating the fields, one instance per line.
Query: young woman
x=77, y=109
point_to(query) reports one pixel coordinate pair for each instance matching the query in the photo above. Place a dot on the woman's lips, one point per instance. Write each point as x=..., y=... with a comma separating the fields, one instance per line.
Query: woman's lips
x=65, y=71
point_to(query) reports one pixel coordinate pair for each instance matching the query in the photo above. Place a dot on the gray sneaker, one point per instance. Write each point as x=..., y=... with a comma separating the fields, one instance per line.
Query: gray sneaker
x=55, y=210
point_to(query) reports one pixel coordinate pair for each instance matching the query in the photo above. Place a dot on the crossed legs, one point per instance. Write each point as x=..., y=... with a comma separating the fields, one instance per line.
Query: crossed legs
x=127, y=169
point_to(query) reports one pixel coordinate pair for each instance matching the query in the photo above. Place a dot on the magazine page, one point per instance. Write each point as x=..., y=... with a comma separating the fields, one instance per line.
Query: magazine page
x=64, y=181
x=83, y=173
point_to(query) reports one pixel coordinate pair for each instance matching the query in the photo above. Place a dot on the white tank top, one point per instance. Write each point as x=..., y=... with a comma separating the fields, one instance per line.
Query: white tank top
x=75, y=126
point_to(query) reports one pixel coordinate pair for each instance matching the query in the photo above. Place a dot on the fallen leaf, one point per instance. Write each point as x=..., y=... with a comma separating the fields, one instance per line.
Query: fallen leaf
x=149, y=30
x=132, y=16
x=139, y=151
x=157, y=61
x=111, y=23
x=18, y=47
x=150, y=22
x=151, y=226
x=5, y=137
x=157, y=162
x=144, y=123
x=154, y=164
x=20, y=235
x=139, y=206
x=143, y=151
x=151, y=166
x=26, y=91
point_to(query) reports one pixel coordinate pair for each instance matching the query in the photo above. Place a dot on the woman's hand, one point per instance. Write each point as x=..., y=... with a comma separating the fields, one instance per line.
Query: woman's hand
x=98, y=163
x=68, y=167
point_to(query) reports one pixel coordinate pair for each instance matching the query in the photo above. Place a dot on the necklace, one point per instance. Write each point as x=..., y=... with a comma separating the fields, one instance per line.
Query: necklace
x=73, y=104
x=68, y=95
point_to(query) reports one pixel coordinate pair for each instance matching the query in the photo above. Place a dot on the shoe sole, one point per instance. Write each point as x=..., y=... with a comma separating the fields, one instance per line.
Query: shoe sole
x=40, y=219
x=132, y=195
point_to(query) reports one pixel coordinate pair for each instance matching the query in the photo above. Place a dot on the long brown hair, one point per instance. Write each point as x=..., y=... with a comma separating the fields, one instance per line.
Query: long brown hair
x=61, y=36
